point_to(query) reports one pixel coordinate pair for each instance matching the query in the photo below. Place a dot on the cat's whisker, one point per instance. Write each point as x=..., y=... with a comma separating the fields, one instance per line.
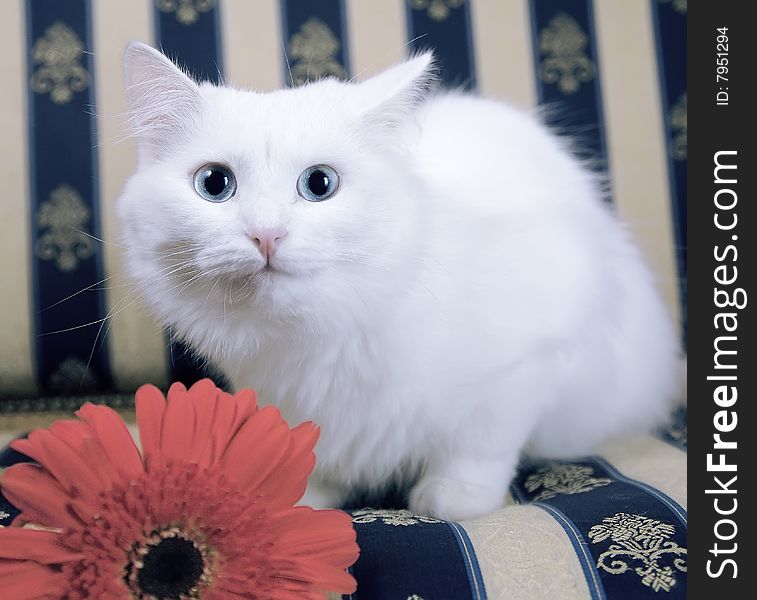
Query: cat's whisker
x=81, y=291
x=211, y=290
x=137, y=294
x=289, y=66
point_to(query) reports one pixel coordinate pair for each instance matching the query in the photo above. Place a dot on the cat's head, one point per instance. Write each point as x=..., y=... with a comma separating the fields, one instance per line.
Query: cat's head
x=276, y=202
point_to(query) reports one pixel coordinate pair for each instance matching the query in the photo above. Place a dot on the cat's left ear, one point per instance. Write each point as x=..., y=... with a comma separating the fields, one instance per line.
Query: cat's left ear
x=164, y=101
x=393, y=94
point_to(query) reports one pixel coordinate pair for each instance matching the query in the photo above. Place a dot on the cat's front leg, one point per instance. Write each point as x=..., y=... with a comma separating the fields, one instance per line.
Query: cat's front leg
x=462, y=487
x=467, y=474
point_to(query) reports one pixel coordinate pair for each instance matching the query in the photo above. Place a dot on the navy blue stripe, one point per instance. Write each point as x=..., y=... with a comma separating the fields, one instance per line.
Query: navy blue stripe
x=308, y=29
x=191, y=37
x=64, y=199
x=567, y=74
x=670, y=24
x=581, y=548
x=648, y=528
x=677, y=433
x=444, y=27
x=422, y=558
x=9, y=457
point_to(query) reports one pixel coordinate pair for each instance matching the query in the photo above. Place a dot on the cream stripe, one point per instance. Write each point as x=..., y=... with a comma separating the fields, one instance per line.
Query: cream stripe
x=252, y=50
x=136, y=344
x=469, y=559
x=650, y=461
x=377, y=35
x=524, y=553
x=635, y=136
x=504, y=55
x=16, y=333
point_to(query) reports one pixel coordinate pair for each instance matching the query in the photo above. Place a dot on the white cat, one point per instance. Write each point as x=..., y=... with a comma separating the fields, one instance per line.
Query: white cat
x=430, y=277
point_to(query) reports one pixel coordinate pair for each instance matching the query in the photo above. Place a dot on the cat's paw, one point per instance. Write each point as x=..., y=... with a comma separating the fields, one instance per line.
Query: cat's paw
x=454, y=500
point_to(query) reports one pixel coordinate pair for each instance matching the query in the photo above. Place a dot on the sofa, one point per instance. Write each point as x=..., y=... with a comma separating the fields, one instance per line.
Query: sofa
x=611, y=75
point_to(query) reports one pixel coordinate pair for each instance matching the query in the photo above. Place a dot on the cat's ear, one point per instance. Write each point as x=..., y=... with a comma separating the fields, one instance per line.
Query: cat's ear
x=163, y=100
x=391, y=95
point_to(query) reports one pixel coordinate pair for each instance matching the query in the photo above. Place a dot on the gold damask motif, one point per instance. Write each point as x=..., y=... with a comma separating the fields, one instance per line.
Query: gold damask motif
x=679, y=128
x=313, y=51
x=564, y=479
x=678, y=5
x=680, y=433
x=72, y=375
x=187, y=11
x=65, y=217
x=397, y=518
x=58, y=53
x=563, y=44
x=438, y=10
x=643, y=544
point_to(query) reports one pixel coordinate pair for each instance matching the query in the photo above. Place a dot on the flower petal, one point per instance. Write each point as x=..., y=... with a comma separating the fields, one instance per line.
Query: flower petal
x=38, y=495
x=258, y=447
x=113, y=435
x=29, y=544
x=319, y=535
x=80, y=438
x=71, y=470
x=286, y=484
x=151, y=406
x=231, y=413
x=26, y=580
x=179, y=419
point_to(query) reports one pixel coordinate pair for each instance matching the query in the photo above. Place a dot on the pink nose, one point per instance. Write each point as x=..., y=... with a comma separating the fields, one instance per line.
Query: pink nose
x=267, y=240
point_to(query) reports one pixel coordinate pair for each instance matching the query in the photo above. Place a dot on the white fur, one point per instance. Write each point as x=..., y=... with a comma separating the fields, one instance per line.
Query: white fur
x=464, y=296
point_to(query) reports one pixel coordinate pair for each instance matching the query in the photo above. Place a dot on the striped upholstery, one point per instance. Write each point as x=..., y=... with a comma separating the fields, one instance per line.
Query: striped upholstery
x=612, y=74
x=611, y=526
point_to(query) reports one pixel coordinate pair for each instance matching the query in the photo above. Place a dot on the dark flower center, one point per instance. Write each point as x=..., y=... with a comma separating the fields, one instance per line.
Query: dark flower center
x=169, y=566
x=171, y=569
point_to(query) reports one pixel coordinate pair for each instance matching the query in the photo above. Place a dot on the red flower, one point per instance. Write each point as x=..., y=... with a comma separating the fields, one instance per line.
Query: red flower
x=205, y=512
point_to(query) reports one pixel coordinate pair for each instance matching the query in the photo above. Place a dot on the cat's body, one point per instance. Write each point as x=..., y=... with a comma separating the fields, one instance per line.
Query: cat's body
x=465, y=293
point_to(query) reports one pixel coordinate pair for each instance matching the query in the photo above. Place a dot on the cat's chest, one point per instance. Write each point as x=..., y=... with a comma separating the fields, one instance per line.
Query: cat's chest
x=364, y=398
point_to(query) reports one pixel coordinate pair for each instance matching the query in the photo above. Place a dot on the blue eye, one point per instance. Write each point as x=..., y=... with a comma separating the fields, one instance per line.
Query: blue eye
x=215, y=183
x=318, y=183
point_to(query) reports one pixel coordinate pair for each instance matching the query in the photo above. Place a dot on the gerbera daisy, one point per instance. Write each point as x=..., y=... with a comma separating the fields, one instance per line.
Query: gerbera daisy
x=206, y=510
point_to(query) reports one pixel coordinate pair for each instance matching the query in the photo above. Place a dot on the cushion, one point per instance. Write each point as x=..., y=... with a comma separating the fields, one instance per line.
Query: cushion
x=610, y=526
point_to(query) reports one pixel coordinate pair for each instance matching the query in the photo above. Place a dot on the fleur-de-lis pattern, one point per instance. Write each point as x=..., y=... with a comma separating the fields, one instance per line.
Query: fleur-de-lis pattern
x=642, y=544
x=679, y=128
x=58, y=54
x=564, y=479
x=64, y=220
x=397, y=518
x=313, y=52
x=438, y=10
x=563, y=45
x=187, y=11
x=678, y=5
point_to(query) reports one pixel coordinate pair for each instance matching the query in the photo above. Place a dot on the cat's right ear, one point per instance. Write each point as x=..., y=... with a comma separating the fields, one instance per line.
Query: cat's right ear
x=393, y=94
x=164, y=101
